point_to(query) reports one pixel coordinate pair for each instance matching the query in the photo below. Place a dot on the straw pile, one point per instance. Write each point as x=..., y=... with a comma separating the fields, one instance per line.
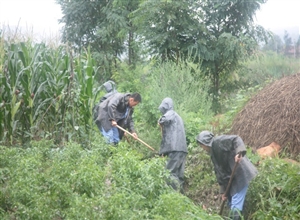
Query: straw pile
x=273, y=115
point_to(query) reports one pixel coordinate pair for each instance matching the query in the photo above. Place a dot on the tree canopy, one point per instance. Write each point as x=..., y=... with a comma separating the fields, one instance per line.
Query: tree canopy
x=217, y=34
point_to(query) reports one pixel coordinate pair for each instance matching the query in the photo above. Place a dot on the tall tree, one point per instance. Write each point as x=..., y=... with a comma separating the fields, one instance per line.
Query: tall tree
x=219, y=33
x=170, y=28
x=232, y=38
x=127, y=30
x=104, y=25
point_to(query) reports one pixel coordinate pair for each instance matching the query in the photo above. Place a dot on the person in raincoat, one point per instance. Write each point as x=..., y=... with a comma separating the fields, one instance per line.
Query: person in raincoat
x=173, y=143
x=225, y=151
x=117, y=110
x=110, y=88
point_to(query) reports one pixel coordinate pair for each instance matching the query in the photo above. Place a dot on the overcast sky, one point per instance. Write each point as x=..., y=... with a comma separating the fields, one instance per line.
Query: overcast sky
x=279, y=13
x=37, y=16
x=40, y=16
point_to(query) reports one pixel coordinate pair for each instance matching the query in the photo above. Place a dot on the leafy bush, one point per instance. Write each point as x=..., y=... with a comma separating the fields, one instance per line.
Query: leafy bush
x=175, y=206
x=275, y=192
x=201, y=184
x=181, y=83
x=104, y=182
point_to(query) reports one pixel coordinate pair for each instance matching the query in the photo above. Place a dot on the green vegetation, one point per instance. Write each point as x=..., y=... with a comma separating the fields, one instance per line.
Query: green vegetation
x=275, y=192
x=45, y=93
x=218, y=35
x=54, y=163
x=71, y=174
x=46, y=182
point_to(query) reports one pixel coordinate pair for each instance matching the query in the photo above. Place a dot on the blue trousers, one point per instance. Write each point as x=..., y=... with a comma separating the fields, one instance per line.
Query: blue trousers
x=112, y=135
x=238, y=199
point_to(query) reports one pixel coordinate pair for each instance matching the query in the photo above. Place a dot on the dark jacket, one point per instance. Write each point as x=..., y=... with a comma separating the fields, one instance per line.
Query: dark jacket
x=107, y=95
x=173, y=133
x=114, y=108
x=223, y=150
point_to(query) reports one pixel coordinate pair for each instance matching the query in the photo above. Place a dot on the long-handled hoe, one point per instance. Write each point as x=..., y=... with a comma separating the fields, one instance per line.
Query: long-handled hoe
x=229, y=184
x=134, y=137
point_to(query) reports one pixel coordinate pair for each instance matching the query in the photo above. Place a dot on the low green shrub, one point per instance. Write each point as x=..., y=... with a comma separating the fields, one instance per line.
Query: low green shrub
x=175, y=206
x=275, y=192
x=201, y=183
x=104, y=182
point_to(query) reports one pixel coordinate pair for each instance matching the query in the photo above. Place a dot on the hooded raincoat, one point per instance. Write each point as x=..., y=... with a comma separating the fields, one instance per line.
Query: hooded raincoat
x=223, y=150
x=173, y=143
x=173, y=133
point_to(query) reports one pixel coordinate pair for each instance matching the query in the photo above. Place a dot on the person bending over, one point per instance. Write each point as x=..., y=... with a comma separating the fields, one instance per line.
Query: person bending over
x=225, y=151
x=117, y=110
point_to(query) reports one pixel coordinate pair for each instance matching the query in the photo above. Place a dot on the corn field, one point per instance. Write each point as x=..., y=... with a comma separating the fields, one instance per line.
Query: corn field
x=45, y=93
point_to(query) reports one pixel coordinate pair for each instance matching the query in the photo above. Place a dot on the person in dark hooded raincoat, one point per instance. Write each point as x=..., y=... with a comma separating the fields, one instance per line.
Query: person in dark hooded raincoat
x=117, y=110
x=173, y=144
x=225, y=151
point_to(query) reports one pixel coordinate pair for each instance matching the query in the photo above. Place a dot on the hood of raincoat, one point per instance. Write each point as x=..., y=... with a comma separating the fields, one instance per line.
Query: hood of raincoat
x=109, y=86
x=166, y=105
x=205, y=138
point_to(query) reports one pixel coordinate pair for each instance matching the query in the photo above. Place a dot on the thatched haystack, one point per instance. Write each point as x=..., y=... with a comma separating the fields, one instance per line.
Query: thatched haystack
x=273, y=115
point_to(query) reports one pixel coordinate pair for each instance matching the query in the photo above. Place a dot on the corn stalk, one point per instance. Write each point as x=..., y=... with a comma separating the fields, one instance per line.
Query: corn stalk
x=45, y=93
x=85, y=76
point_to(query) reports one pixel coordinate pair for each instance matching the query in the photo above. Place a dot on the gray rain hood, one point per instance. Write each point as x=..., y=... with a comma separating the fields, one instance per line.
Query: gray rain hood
x=205, y=138
x=166, y=105
x=109, y=86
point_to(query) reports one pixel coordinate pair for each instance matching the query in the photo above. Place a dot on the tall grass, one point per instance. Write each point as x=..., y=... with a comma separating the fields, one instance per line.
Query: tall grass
x=269, y=65
x=183, y=82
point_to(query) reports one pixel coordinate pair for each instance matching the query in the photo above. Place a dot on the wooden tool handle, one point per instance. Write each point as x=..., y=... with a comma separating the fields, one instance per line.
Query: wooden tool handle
x=135, y=137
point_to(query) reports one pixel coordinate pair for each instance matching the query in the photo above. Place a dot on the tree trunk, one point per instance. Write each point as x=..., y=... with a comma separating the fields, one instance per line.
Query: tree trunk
x=130, y=49
x=216, y=85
